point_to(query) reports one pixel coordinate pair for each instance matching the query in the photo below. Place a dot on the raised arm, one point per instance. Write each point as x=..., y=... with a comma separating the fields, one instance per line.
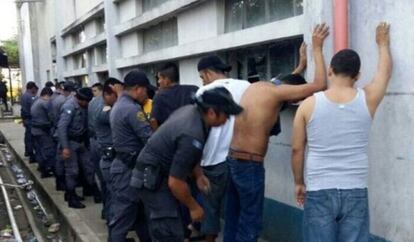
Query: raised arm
x=298, y=92
x=375, y=91
x=302, y=60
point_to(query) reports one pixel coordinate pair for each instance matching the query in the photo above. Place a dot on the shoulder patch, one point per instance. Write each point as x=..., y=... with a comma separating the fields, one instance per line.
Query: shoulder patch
x=141, y=116
x=197, y=144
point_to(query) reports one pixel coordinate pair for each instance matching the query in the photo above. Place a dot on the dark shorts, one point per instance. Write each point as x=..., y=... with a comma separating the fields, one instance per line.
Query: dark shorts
x=213, y=203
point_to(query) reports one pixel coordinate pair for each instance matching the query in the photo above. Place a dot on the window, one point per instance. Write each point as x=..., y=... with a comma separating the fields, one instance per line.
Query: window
x=80, y=60
x=270, y=60
x=101, y=55
x=100, y=25
x=79, y=37
x=81, y=81
x=241, y=14
x=150, y=4
x=161, y=35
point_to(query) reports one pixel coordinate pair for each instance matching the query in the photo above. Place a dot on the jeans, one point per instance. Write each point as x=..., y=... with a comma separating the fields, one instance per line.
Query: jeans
x=245, y=197
x=212, y=202
x=336, y=215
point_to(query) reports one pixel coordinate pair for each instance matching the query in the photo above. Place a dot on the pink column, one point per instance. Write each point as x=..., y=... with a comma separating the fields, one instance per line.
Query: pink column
x=340, y=24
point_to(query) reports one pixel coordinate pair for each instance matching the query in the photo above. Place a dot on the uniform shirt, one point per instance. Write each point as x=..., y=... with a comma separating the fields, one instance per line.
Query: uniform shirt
x=94, y=107
x=73, y=122
x=26, y=103
x=57, y=103
x=103, y=127
x=218, y=142
x=168, y=100
x=41, y=117
x=130, y=128
x=177, y=145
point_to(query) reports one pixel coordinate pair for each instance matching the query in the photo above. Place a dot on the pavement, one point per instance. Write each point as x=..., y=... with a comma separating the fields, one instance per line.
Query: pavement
x=86, y=224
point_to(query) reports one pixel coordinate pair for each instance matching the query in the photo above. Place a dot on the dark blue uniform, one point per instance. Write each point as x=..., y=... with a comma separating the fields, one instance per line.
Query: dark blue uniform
x=104, y=140
x=130, y=132
x=168, y=100
x=26, y=103
x=42, y=136
x=57, y=103
x=174, y=150
x=72, y=132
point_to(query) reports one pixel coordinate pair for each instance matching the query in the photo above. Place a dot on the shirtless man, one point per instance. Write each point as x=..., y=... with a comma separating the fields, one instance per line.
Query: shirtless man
x=261, y=102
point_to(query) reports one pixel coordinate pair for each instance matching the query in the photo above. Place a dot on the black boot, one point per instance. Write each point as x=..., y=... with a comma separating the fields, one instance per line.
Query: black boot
x=73, y=200
x=97, y=196
x=46, y=172
x=75, y=195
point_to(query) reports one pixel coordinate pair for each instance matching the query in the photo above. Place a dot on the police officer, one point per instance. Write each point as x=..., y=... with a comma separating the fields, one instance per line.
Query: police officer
x=41, y=133
x=73, y=139
x=130, y=132
x=57, y=102
x=26, y=103
x=169, y=158
x=104, y=140
x=94, y=107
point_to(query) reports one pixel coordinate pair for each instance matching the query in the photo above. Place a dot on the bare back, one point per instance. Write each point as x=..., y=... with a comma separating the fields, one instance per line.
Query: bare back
x=253, y=126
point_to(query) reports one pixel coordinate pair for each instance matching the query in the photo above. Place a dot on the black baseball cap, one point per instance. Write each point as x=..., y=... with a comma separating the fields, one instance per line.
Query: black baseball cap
x=219, y=98
x=214, y=62
x=138, y=78
x=84, y=93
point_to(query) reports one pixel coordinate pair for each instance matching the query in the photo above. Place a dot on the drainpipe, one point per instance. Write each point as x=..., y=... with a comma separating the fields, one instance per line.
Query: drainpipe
x=340, y=25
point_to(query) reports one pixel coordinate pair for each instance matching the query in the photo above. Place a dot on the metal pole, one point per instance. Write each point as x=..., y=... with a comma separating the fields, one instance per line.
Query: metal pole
x=15, y=228
x=11, y=88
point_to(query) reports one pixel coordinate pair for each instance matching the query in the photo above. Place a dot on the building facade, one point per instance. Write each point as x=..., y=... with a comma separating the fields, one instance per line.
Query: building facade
x=88, y=40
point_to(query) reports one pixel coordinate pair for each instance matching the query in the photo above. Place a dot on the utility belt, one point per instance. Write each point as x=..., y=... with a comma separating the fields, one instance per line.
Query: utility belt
x=44, y=127
x=77, y=139
x=147, y=176
x=128, y=158
x=108, y=153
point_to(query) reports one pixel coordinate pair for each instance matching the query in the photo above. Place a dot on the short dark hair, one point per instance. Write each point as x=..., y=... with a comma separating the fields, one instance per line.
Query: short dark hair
x=31, y=85
x=293, y=79
x=346, y=62
x=170, y=71
x=49, y=84
x=107, y=89
x=98, y=85
x=46, y=91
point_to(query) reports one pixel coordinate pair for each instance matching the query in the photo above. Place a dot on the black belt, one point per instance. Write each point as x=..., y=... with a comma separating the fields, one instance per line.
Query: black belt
x=128, y=158
x=77, y=139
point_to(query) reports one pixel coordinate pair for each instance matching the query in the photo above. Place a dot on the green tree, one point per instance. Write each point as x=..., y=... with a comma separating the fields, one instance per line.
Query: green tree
x=11, y=48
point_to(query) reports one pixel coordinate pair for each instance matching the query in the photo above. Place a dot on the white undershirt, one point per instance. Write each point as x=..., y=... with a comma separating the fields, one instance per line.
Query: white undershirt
x=217, y=146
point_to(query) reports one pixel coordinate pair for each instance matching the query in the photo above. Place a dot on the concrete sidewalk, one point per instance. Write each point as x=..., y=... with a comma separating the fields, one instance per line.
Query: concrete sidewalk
x=86, y=223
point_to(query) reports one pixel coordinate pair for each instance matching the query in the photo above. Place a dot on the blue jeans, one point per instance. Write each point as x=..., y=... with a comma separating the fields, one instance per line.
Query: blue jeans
x=244, y=206
x=336, y=215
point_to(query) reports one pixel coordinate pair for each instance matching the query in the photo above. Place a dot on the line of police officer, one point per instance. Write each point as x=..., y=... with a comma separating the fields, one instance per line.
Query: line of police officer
x=145, y=175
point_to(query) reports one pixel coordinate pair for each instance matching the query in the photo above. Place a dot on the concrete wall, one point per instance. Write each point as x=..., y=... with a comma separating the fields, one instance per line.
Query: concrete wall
x=201, y=31
x=392, y=139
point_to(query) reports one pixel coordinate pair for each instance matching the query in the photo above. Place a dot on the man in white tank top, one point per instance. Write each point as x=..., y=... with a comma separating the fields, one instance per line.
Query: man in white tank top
x=335, y=126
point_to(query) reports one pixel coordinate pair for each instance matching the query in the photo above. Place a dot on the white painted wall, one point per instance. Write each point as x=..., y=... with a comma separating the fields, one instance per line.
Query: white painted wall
x=129, y=44
x=84, y=6
x=202, y=17
x=188, y=72
x=392, y=137
x=127, y=10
